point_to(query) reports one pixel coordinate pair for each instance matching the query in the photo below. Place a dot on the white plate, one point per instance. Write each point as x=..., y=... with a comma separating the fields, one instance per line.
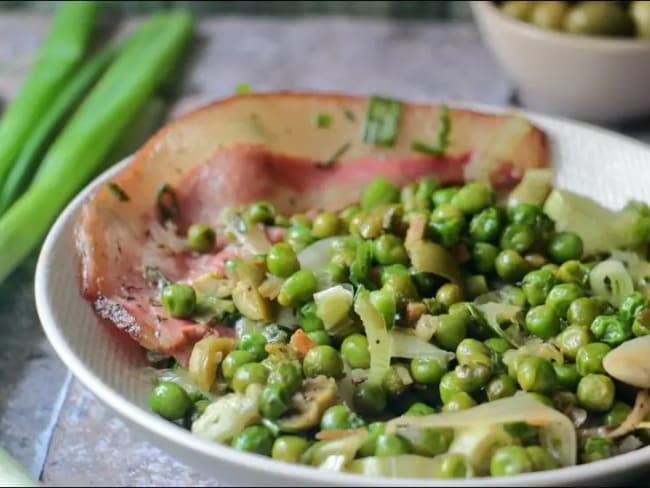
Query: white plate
x=609, y=167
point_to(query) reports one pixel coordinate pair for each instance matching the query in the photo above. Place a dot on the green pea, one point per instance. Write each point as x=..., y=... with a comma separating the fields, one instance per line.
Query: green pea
x=571, y=339
x=287, y=375
x=632, y=305
x=430, y=442
x=325, y=224
x=299, y=237
x=582, y=311
x=471, y=377
x=611, y=330
x=510, y=266
x=543, y=321
x=289, y=448
x=323, y=360
x=472, y=351
x=248, y=374
x=230, y=265
x=617, y=414
x=307, y=318
x=274, y=334
x=484, y=256
x=300, y=220
x=443, y=196
x=510, y=461
x=459, y=401
x=542, y=399
x=385, y=303
x=598, y=19
x=565, y=246
x=455, y=465
x=573, y=271
x=298, y=288
x=402, y=288
x=282, y=221
x=448, y=386
x=497, y=344
x=537, y=285
x=260, y=213
x=426, y=283
x=255, y=344
x=320, y=337
x=389, y=249
x=257, y=439
x=518, y=9
x=535, y=261
x=389, y=445
x=354, y=350
x=567, y=375
x=596, y=393
x=549, y=15
x=393, y=382
x=375, y=429
x=451, y=330
x=425, y=188
x=348, y=213
x=201, y=238
x=486, y=225
x=369, y=399
x=536, y=375
x=282, y=260
x=519, y=237
x=561, y=296
x=523, y=432
x=501, y=386
x=513, y=295
x=274, y=401
x=540, y=458
x=419, y=409
x=433, y=306
x=448, y=294
x=473, y=197
x=641, y=324
x=524, y=213
x=427, y=370
x=233, y=361
x=179, y=300
x=590, y=358
x=597, y=449
x=170, y=401
x=336, y=417
x=393, y=269
x=378, y=192
x=475, y=286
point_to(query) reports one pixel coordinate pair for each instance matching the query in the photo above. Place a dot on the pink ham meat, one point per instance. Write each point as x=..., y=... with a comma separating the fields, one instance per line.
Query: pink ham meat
x=256, y=147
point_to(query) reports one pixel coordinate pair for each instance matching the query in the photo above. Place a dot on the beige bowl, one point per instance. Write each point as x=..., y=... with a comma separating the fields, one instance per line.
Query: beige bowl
x=594, y=79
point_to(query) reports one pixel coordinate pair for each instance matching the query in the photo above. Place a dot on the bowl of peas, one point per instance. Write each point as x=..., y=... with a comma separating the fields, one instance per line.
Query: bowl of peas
x=586, y=60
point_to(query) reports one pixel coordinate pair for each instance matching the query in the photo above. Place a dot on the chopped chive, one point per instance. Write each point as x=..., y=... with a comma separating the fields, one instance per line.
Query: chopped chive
x=244, y=89
x=332, y=160
x=443, y=136
x=382, y=121
x=153, y=274
x=118, y=192
x=167, y=203
x=349, y=114
x=323, y=121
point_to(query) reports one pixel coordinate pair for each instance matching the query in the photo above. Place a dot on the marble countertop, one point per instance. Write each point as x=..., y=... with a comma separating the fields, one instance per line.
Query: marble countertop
x=48, y=421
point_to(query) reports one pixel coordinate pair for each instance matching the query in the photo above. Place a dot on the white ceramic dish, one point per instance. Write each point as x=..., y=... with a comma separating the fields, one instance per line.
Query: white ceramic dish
x=592, y=79
x=604, y=165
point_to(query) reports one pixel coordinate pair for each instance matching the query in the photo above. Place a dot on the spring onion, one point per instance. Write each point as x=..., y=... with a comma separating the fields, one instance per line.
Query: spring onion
x=331, y=161
x=322, y=121
x=60, y=53
x=611, y=280
x=167, y=203
x=378, y=339
x=404, y=343
x=382, y=121
x=444, y=129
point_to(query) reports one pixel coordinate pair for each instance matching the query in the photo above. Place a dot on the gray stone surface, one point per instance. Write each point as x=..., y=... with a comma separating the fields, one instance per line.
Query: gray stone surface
x=418, y=61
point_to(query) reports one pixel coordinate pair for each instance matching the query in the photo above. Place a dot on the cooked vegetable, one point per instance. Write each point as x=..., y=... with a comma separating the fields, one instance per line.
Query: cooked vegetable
x=110, y=106
x=443, y=136
x=382, y=121
x=59, y=55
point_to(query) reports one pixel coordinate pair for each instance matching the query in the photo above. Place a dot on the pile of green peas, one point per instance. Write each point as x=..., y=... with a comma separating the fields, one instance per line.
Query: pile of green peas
x=495, y=246
x=595, y=18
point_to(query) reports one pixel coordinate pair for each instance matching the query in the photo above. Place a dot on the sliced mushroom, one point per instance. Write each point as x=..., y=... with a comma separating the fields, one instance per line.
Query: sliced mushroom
x=250, y=303
x=316, y=396
x=630, y=362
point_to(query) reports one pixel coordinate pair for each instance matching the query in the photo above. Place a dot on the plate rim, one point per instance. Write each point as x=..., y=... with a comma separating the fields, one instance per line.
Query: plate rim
x=171, y=434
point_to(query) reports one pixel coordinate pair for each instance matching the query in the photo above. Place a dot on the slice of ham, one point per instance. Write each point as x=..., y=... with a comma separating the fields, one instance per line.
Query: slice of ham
x=262, y=147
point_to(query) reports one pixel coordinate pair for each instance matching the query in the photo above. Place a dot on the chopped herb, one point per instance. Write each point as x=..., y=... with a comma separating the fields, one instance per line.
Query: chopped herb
x=230, y=319
x=332, y=160
x=243, y=89
x=272, y=426
x=443, y=136
x=382, y=121
x=167, y=203
x=118, y=192
x=153, y=274
x=349, y=114
x=323, y=121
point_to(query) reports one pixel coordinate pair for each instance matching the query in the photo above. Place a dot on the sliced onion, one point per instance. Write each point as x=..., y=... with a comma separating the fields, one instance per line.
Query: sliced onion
x=426, y=326
x=344, y=449
x=478, y=443
x=629, y=444
x=638, y=267
x=630, y=362
x=611, y=280
x=533, y=188
x=287, y=318
x=536, y=348
x=378, y=339
x=402, y=466
x=333, y=305
x=404, y=343
x=317, y=255
x=556, y=430
x=492, y=312
x=428, y=257
x=253, y=238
